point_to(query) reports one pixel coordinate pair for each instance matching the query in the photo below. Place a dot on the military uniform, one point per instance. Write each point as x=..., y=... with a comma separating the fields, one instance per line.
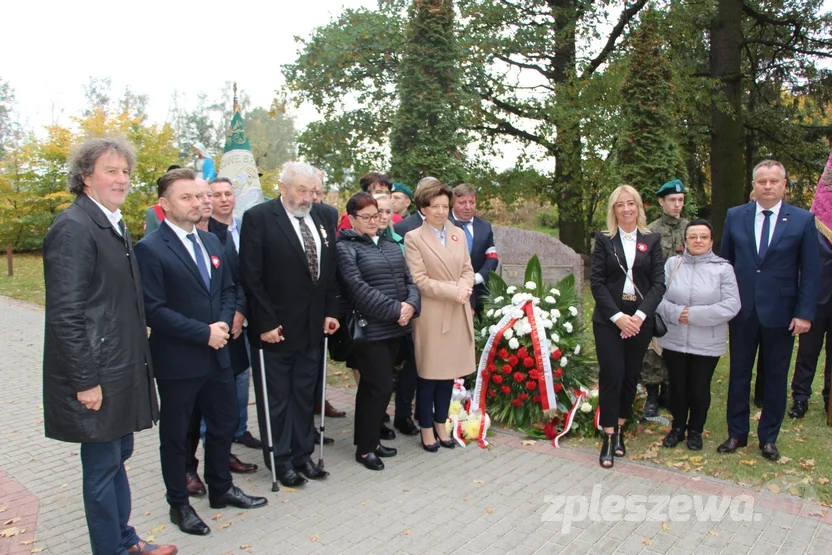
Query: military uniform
x=672, y=230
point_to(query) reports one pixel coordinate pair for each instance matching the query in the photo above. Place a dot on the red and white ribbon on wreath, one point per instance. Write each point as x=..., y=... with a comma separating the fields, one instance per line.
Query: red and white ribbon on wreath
x=569, y=418
x=597, y=420
x=489, y=353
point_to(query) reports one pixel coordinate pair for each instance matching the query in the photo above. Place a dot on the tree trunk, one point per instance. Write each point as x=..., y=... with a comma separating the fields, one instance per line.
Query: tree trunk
x=727, y=164
x=10, y=261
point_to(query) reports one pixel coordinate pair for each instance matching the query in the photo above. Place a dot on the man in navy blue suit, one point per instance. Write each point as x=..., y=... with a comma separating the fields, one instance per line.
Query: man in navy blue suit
x=480, y=239
x=190, y=300
x=774, y=250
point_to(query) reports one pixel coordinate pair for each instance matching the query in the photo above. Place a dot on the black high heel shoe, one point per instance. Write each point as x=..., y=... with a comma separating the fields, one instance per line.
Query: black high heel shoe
x=449, y=444
x=432, y=448
x=607, y=450
x=619, y=443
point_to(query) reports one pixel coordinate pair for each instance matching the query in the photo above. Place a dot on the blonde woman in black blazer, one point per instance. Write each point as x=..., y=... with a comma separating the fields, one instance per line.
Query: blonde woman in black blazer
x=627, y=281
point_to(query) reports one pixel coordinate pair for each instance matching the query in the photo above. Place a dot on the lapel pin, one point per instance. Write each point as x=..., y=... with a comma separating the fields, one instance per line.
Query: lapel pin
x=642, y=247
x=323, y=235
x=454, y=238
x=215, y=261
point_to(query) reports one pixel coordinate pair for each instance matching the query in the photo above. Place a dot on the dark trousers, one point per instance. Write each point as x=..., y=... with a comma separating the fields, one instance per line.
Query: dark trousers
x=291, y=378
x=776, y=345
x=434, y=401
x=375, y=363
x=619, y=363
x=690, y=388
x=192, y=463
x=808, y=353
x=406, y=384
x=215, y=396
x=107, y=496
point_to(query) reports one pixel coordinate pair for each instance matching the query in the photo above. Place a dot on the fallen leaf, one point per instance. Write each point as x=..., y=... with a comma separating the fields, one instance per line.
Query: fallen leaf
x=9, y=532
x=713, y=532
x=748, y=462
x=785, y=527
x=818, y=513
x=314, y=538
x=489, y=511
x=216, y=516
x=647, y=541
x=758, y=415
x=697, y=460
x=823, y=481
x=36, y=550
x=150, y=539
x=147, y=513
x=407, y=532
x=479, y=482
x=665, y=526
x=64, y=485
x=157, y=529
x=11, y=521
x=465, y=499
x=226, y=525
x=807, y=463
x=289, y=490
x=28, y=542
x=794, y=490
x=245, y=546
x=774, y=488
x=4, y=508
x=783, y=460
x=528, y=442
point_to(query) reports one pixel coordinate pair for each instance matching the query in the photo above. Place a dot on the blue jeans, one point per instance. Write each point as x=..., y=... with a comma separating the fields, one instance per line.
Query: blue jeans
x=242, y=399
x=107, y=496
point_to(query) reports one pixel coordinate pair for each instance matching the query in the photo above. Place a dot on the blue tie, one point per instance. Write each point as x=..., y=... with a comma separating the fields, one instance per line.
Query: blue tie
x=468, y=236
x=765, y=233
x=200, y=261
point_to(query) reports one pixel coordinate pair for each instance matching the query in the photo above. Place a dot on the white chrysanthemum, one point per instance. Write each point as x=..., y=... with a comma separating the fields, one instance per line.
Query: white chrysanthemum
x=555, y=313
x=577, y=350
x=555, y=338
x=573, y=311
x=536, y=300
x=586, y=407
x=492, y=329
x=548, y=324
x=563, y=361
x=550, y=299
x=506, y=309
x=509, y=333
x=530, y=285
x=484, y=332
x=511, y=290
x=490, y=312
x=499, y=299
x=517, y=313
x=593, y=393
x=554, y=292
x=513, y=343
x=524, y=329
x=568, y=327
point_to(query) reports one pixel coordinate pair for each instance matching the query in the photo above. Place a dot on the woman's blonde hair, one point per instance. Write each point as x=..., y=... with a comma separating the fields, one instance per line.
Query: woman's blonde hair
x=612, y=221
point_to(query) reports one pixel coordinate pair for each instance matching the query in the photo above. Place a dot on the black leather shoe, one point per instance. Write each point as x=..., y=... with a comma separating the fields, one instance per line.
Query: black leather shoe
x=770, y=452
x=236, y=498
x=291, y=479
x=799, y=409
x=620, y=449
x=606, y=458
x=382, y=451
x=387, y=433
x=406, y=426
x=311, y=471
x=327, y=440
x=188, y=521
x=731, y=444
x=673, y=437
x=248, y=440
x=386, y=418
x=694, y=440
x=371, y=461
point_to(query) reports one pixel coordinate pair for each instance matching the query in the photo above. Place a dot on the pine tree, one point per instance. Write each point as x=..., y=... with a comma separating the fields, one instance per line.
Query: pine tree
x=427, y=136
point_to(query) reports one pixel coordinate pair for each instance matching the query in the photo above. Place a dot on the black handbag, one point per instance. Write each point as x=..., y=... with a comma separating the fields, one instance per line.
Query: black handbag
x=659, y=325
x=355, y=327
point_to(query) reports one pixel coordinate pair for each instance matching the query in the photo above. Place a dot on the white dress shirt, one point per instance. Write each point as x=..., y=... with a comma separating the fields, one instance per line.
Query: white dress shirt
x=310, y=223
x=189, y=246
x=235, y=234
x=759, y=217
x=114, y=217
x=629, y=241
x=440, y=234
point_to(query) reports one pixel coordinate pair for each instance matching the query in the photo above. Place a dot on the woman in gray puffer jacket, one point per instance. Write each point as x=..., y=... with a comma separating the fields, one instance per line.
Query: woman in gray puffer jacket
x=702, y=296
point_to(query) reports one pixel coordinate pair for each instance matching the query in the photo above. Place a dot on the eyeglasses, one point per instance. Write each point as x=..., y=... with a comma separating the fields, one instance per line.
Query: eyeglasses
x=699, y=237
x=368, y=217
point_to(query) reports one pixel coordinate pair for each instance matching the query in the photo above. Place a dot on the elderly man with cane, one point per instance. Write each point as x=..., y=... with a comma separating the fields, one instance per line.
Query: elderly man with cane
x=287, y=268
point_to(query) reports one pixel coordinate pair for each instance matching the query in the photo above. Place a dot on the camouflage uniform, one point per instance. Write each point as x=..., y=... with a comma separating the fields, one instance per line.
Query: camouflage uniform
x=672, y=230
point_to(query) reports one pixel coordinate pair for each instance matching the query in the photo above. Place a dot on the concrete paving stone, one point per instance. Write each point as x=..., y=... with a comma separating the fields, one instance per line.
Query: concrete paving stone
x=766, y=548
x=820, y=547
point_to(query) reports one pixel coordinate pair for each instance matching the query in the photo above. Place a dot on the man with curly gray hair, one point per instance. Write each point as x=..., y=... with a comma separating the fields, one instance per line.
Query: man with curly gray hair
x=97, y=373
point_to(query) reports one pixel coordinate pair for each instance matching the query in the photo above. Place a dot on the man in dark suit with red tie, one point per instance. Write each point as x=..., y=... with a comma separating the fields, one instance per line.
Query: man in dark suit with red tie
x=773, y=247
x=190, y=300
x=287, y=267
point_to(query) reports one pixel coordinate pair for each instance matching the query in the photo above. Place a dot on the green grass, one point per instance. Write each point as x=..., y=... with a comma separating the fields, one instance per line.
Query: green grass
x=27, y=282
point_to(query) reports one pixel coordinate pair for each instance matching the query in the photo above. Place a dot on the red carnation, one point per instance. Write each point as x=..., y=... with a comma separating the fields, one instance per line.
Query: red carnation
x=506, y=389
x=506, y=369
x=523, y=396
x=528, y=362
x=536, y=399
x=534, y=374
x=522, y=352
x=513, y=360
x=556, y=354
x=491, y=367
x=519, y=376
x=558, y=373
x=558, y=388
x=517, y=402
x=549, y=430
x=492, y=393
x=503, y=354
x=497, y=379
x=531, y=386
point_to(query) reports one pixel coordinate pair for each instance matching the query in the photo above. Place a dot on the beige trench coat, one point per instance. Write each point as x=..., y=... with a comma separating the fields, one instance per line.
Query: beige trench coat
x=443, y=334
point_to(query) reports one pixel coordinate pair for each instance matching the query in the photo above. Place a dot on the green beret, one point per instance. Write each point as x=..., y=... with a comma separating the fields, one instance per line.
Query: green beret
x=402, y=188
x=671, y=188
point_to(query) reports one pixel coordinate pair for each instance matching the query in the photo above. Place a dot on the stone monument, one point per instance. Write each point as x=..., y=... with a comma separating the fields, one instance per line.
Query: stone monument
x=516, y=246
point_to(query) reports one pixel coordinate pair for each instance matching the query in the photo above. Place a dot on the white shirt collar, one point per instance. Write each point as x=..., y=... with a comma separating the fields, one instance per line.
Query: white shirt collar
x=775, y=210
x=460, y=220
x=114, y=217
x=623, y=234
x=181, y=233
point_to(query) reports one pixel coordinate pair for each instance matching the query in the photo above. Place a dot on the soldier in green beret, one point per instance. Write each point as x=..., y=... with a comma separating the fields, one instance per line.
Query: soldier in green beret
x=671, y=226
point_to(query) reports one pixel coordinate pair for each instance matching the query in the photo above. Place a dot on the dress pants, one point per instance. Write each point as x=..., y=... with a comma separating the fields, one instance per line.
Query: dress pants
x=196, y=429
x=434, y=401
x=619, y=363
x=375, y=362
x=808, y=353
x=215, y=396
x=107, y=496
x=776, y=345
x=690, y=388
x=406, y=384
x=291, y=377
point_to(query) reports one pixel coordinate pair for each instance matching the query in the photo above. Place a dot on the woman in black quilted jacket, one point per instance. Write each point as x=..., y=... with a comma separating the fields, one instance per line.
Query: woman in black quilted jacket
x=375, y=282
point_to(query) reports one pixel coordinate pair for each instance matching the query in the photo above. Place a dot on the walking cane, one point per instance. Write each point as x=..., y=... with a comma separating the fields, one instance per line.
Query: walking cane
x=323, y=401
x=268, y=419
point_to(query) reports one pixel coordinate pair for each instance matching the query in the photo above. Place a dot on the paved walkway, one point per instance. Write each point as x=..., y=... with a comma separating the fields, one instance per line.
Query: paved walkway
x=461, y=501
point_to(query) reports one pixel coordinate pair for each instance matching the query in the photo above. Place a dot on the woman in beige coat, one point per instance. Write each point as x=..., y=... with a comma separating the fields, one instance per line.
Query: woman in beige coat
x=443, y=335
